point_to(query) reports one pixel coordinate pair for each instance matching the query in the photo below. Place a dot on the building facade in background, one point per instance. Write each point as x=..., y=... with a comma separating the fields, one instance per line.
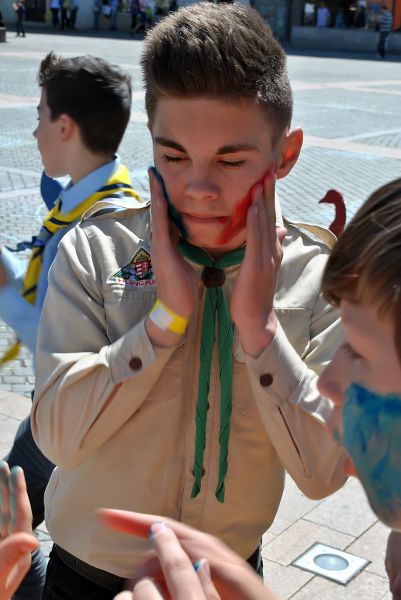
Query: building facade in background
x=350, y=24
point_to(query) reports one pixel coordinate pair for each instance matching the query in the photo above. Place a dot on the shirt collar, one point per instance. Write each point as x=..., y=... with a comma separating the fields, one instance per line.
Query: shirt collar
x=74, y=194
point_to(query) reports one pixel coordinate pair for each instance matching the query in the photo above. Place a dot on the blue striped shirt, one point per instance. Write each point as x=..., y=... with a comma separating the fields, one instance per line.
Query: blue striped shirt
x=386, y=22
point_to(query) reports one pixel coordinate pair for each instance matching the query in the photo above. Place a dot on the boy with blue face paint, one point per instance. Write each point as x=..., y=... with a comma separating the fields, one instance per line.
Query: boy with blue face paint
x=363, y=279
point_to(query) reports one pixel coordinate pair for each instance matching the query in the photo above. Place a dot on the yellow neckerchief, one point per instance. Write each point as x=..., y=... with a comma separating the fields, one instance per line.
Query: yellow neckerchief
x=117, y=186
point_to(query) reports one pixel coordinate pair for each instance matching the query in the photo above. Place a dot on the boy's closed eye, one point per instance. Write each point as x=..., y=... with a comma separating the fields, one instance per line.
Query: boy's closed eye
x=232, y=163
x=351, y=352
x=173, y=159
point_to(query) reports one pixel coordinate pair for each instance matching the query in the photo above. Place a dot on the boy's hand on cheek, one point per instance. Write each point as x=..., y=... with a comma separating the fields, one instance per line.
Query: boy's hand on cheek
x=253, y=293
x=176, y=280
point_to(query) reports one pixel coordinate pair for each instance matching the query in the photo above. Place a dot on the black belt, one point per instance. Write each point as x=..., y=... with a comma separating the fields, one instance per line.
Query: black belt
x=97, y=576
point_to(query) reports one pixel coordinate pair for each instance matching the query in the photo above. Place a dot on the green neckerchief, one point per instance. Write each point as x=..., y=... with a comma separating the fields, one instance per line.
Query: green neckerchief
x=215, y=305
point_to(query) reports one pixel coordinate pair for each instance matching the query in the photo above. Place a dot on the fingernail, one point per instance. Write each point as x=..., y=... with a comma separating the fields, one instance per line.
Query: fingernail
x=202, y=565
x=15, y=470
x=158, y=527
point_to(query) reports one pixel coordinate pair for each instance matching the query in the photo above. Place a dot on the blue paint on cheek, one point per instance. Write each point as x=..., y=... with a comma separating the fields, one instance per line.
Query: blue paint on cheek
x=372, y=437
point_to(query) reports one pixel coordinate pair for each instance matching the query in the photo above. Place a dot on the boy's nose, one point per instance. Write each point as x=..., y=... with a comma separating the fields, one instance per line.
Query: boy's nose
x=201, y=185
x=35, y=133
x=201, y=191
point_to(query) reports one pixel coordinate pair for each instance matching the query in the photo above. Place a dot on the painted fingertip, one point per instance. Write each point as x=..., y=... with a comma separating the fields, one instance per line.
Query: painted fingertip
x=202, y=565
x=156, y=528
x=16, y=470
x=197, y=564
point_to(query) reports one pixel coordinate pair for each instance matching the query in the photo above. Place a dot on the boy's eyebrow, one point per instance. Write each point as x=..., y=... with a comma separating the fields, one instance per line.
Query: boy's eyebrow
x=236, y=148
x=169, y=143
x=230, y=149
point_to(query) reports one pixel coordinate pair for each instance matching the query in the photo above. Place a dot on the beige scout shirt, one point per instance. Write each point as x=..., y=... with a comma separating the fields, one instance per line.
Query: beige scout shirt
x=117, y=415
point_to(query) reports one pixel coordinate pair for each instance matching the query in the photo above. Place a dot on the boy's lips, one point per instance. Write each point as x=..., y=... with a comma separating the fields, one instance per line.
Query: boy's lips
x=204, y=219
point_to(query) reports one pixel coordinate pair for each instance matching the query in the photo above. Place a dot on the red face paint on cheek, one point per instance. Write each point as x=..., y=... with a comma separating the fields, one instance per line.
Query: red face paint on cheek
x=237, y=221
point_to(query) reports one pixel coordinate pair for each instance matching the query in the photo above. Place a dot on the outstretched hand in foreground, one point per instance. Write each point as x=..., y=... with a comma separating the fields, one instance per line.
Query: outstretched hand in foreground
x=16, y=539
x=168, y=571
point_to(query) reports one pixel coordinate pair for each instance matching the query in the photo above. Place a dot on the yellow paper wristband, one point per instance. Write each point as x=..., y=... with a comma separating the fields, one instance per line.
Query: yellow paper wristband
x=166, y=319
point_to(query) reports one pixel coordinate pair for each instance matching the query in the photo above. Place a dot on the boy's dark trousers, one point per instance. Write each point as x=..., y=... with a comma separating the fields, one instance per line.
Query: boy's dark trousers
x=68, y=578
x=37, y=469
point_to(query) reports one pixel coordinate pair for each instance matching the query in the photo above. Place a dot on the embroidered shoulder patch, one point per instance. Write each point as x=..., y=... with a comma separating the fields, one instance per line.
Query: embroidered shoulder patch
x=138, y=271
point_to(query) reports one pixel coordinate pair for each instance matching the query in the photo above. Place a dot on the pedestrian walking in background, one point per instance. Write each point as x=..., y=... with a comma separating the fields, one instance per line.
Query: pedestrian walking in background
x=150, y=14
x=339, y=18
x=20, y=9
x=323, y=16
x=65, y=14
x=55, y=6
x=385, y=27
x=97, y=10
x=113, y=14
x=73, y=13
x=141, y=24
x=134, y=14
x=360, y=17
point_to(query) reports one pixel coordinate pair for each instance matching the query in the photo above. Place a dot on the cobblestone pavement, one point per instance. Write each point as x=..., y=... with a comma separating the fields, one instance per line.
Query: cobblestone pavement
x=350, y=111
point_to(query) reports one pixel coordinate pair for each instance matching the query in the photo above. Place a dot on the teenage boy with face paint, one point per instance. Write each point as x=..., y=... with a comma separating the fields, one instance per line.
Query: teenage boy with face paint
x=363, y=279
x=148, y=398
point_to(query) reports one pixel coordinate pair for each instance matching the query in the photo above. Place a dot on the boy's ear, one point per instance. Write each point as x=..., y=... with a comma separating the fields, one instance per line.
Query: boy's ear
x=290, y=152
x=67, y=127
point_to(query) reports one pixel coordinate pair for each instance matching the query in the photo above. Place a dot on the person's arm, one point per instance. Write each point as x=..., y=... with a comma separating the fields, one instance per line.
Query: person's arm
x=87, y=388
x=393, y=563
x=12, y=269
x=291, y=408
x=284, y=385
x=21, y=316
x=82, y=380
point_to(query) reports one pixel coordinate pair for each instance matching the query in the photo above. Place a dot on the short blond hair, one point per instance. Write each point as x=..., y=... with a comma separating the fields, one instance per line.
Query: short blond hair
x=366, y=261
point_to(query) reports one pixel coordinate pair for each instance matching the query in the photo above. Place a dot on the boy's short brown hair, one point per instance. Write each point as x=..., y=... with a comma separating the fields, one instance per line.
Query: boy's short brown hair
x=365, y=264
x=220, y=51
x=96, y=94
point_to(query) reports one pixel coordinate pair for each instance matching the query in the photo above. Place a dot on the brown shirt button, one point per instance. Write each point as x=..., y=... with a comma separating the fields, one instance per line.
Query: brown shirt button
x=266, y=379
x=135, y=363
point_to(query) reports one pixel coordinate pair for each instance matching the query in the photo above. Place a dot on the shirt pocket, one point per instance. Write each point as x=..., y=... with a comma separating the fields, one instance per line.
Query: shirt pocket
x=125, y=306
